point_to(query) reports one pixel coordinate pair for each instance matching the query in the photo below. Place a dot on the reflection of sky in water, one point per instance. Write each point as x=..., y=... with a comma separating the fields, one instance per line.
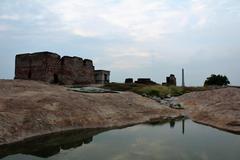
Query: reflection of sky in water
x=145, y=142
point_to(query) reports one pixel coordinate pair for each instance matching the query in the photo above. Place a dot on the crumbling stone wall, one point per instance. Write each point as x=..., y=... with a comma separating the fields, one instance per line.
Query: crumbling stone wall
x=75, y=70
x=23, y=66
x=44, y=66
x=171, y=80
x=88, y=71
x=50, y=67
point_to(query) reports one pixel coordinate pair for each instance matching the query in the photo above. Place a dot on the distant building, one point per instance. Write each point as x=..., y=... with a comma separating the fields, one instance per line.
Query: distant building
x=102, y=76
x=129, y=80
x=145, y=81
x=164, y=83
x=51, y=68
x=170, y=81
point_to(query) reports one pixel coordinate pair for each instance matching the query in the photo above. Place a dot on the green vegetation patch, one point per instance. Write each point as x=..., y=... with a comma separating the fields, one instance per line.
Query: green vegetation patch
x=159, y=91
x=148, y=90
x=154, y=90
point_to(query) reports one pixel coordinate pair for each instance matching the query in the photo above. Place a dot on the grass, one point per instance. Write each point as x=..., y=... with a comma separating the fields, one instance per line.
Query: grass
x=153, y=90
x=159, y=91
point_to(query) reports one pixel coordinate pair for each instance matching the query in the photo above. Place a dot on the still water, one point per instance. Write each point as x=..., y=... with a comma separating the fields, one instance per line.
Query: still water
x=181, y=140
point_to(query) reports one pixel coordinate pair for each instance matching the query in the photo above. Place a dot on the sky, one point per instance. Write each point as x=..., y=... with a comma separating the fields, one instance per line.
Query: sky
x=131, y=38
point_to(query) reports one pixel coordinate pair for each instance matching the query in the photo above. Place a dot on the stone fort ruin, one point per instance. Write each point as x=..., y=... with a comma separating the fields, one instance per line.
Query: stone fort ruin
x=51, y=67
x=170, y=81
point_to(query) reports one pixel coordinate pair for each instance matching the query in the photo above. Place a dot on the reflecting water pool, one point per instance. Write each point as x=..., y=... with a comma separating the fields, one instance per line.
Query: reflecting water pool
x=183, y=139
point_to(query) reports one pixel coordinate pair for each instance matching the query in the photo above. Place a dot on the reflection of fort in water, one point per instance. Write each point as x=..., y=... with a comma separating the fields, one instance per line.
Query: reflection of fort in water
x=49, y=145
x=172, y=124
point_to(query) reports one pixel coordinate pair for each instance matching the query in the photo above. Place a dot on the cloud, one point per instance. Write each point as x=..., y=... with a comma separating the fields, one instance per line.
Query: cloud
x=146, y=20
x=140, y=20
x=84, y=33
x=200, y=10
x=9, y=17
x=127, y=36
x=125, y=58
x=4, y=27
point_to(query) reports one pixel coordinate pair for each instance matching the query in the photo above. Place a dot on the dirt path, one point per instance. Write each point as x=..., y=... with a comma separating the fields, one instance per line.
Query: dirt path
x=218, y=108
x=29, y=108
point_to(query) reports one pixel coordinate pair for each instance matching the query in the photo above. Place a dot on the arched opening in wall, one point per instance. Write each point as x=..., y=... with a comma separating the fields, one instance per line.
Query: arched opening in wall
x=29, y=74
x=55, y=78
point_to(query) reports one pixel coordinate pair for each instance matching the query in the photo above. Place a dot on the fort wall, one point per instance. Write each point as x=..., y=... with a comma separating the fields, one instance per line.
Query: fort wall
x=50, y=67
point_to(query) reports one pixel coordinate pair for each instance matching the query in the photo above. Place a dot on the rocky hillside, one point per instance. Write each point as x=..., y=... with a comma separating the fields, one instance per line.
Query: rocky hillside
x=219, y=108
x=29, y=108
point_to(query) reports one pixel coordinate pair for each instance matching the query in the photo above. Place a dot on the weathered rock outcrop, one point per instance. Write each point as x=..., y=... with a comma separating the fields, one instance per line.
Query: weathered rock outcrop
x=218, y=108
x=30, y=108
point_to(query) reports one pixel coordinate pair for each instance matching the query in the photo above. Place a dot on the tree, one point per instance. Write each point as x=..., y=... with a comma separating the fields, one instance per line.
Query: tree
x=218, y=80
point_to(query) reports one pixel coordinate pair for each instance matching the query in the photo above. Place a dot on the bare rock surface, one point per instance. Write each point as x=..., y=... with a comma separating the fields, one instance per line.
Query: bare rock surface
x=30, y=108
x=218, y=108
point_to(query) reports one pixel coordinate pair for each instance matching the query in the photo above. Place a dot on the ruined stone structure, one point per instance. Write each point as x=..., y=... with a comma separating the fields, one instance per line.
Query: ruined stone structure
x=129, y=80
x=171, y=80
x=50, y=67
x=147, y=81
x=102, y=76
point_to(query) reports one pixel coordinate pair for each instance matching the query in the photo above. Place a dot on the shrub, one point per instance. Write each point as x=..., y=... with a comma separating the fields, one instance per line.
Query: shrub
x=176, y=91
x=153, y=90
x=218, y=80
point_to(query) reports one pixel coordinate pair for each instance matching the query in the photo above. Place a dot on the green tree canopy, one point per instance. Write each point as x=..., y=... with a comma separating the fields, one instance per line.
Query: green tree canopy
x=218, y=80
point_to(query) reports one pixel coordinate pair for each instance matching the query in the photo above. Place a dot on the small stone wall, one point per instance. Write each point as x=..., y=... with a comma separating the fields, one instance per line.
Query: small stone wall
x=102, y=76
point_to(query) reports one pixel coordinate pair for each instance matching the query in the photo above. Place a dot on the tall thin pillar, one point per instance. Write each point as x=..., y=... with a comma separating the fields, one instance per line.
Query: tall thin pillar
x=183, y=80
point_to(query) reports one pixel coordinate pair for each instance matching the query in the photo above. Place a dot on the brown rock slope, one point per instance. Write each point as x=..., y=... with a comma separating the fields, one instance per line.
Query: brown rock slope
x=29, y=108
x=219, y=108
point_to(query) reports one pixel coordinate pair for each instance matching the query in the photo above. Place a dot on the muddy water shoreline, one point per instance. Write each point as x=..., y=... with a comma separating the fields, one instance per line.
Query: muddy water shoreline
x=50, y=144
